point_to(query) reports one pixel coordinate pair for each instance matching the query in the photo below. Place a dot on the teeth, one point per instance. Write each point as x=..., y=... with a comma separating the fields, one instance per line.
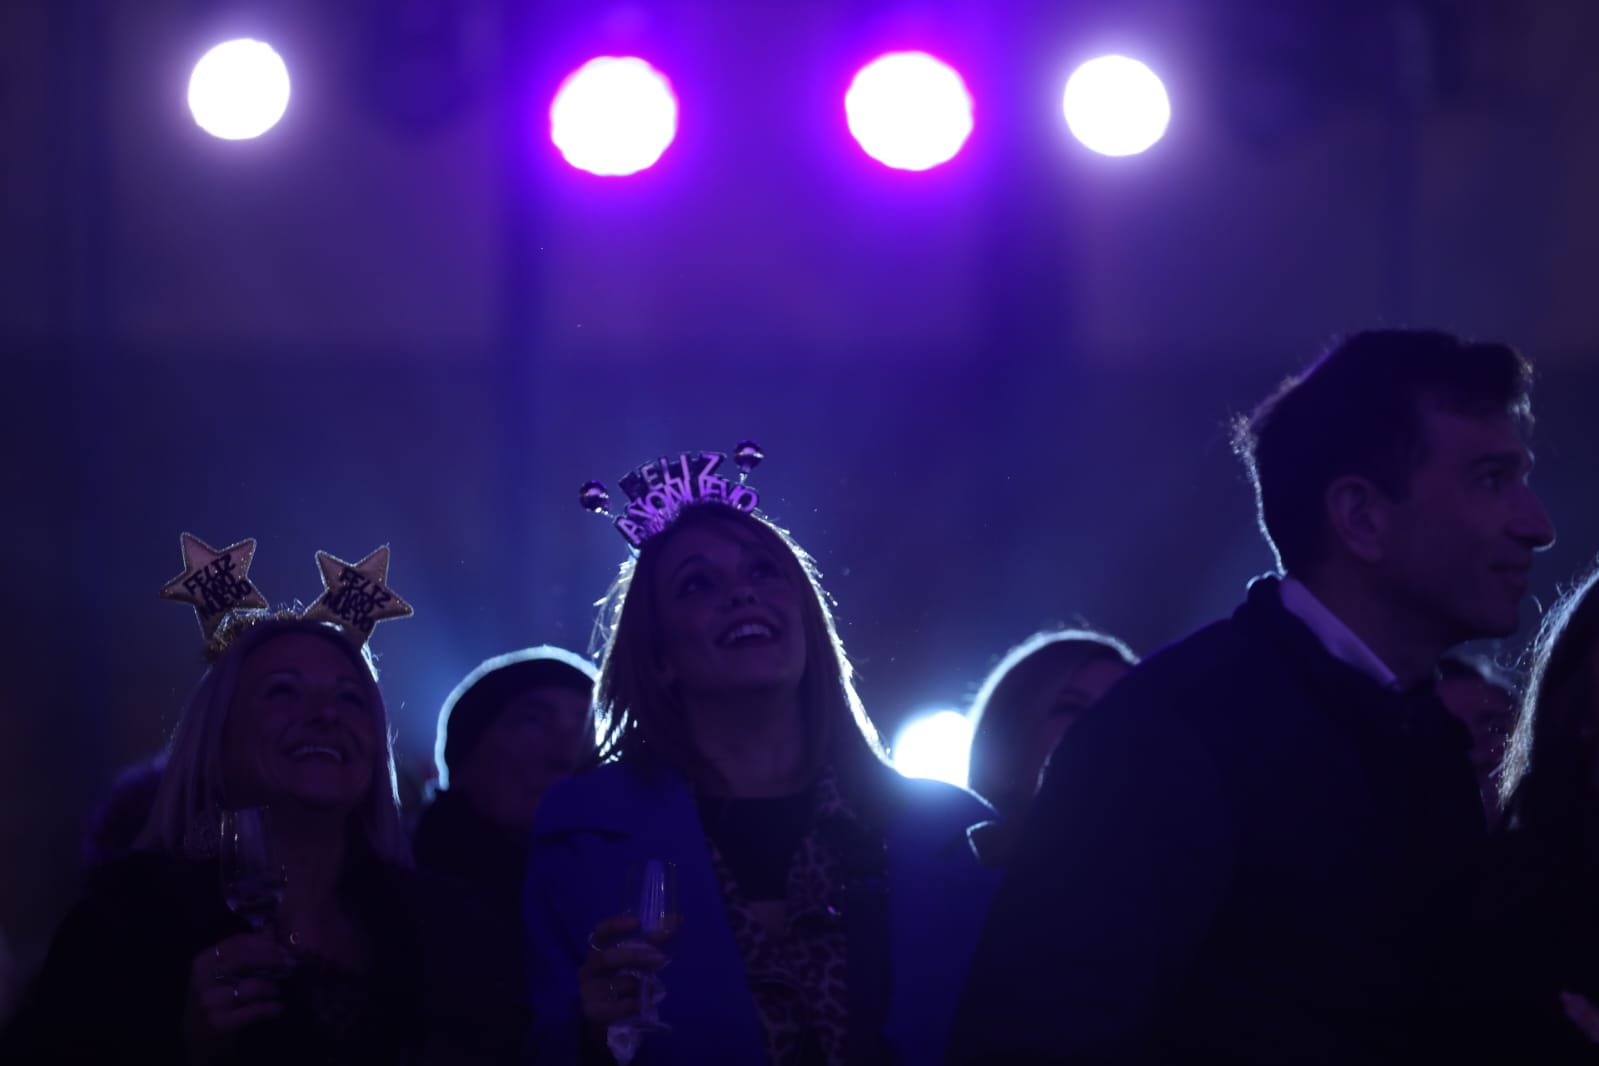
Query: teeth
x=748, y=629
x=316, y=749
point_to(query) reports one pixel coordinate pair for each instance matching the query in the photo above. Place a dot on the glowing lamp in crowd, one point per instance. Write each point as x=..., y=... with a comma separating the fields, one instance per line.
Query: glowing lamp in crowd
x=613, y=116
x=1116, y=106
x=909, y=111
x=239, y=90
x=935, y=745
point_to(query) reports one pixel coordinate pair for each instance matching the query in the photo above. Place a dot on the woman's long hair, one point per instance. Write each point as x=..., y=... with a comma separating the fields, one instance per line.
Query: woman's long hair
x=643, y=719
x=1547, y=783
x=1027, y=675
x=184, y=818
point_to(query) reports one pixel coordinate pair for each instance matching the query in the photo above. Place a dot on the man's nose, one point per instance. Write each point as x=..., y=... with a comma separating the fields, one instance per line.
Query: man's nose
x=1533, y=524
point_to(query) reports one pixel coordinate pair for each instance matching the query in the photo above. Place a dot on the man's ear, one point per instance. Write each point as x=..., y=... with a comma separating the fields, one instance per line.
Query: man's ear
x=1358, y=513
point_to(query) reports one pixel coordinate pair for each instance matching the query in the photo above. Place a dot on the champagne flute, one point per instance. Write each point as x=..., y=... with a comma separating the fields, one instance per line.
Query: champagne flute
x=652, y=899
x=253, y=879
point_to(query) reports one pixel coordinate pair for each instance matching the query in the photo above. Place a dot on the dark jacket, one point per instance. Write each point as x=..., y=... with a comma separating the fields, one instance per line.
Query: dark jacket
x=1249, y=853
x=114, y=984
x=454, y=840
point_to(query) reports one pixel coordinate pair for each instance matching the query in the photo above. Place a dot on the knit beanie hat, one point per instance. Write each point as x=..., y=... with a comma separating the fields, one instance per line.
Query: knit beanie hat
x=480, y=697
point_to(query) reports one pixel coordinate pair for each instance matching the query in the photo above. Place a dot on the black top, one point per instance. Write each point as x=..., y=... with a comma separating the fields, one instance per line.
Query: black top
x=1249, y=852
x=1542, y=931
x=114, y=984
x=757, y=838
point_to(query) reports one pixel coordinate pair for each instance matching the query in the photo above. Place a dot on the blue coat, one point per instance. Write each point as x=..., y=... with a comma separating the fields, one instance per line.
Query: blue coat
x=591, y=828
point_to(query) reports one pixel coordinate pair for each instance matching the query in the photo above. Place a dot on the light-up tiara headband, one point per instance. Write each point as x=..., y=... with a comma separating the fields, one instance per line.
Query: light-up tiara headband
x=659, y=490
x=355, y=596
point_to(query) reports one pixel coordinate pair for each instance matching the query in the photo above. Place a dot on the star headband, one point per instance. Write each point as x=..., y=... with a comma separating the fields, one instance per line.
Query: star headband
x=355, y=596
x=659, y=490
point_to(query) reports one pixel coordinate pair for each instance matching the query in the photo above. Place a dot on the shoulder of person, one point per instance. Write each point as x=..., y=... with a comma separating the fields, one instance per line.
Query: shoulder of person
x=1202, y=682
x=1213, y=653
x=601, y=783
x=609, y=798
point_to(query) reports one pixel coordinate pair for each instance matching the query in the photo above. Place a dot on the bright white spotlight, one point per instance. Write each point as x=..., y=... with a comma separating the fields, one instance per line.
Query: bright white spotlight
x=239, y=90
x=613, y=116
x=935, y=745
x=909, y=110
x=1116, y=105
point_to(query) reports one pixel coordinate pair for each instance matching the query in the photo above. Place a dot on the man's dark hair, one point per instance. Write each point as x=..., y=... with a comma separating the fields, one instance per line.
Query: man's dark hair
x=1358, y=411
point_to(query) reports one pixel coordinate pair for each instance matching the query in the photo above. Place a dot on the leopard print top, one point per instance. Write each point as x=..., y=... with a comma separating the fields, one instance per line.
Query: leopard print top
x=799, y=976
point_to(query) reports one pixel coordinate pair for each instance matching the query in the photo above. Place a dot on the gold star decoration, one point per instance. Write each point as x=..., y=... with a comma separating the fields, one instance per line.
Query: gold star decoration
x=356, y=596
x=215, y=583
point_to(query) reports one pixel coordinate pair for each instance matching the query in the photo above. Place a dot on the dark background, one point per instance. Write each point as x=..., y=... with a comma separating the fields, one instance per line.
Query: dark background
x=993, y=396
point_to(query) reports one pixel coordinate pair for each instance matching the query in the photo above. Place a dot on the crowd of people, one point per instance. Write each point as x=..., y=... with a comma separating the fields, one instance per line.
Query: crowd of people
x=1311, y=832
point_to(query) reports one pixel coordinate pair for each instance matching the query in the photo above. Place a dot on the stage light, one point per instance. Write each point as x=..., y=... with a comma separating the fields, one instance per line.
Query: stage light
x=1116, y=106
x=239, y=90
x=613, y=116
x=935, y=745
x=909, y=110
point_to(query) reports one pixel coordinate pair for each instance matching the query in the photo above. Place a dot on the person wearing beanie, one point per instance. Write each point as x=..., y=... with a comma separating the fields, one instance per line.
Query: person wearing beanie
x=512, y=727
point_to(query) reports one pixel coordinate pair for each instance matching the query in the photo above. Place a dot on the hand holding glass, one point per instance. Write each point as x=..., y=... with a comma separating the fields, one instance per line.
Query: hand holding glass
x=652, y=899
x=252, y=876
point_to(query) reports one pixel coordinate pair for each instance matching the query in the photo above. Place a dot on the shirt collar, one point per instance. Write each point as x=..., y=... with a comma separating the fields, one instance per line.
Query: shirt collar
x=1340, y=641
